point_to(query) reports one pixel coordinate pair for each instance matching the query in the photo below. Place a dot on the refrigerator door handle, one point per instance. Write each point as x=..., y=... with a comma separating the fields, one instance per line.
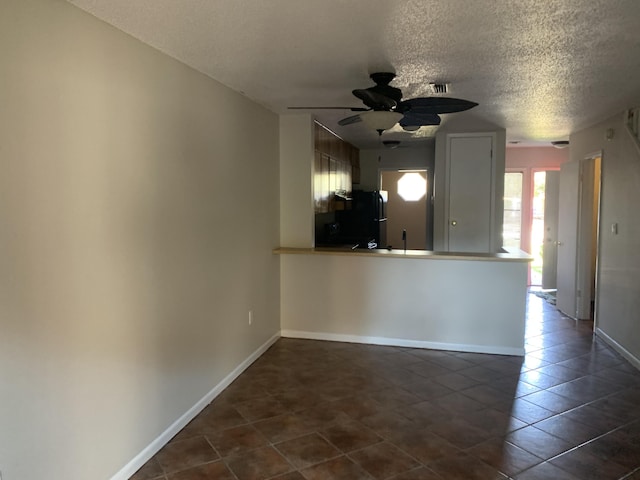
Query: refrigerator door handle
x=381, y=206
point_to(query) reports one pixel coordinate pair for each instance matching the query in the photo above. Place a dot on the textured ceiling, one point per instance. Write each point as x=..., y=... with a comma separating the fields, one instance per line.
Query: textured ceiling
x=540, y=69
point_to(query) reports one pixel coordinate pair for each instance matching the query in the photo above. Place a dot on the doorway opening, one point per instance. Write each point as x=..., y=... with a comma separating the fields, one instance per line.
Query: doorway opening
x=578, y=237
x=409, y=208
x=588, y=240
x=530, y=220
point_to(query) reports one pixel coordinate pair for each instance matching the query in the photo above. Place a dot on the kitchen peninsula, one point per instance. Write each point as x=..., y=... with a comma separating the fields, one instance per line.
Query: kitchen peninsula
x=449, y=301
x=473, y=302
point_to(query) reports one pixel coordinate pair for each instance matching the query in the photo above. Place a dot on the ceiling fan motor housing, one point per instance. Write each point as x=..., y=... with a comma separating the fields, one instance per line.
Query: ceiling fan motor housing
x=382, y=87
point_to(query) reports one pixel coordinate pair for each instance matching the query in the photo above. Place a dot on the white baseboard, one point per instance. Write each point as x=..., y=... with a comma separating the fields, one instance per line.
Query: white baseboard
x=399, y=342
x=154, y=447
x=630, y=357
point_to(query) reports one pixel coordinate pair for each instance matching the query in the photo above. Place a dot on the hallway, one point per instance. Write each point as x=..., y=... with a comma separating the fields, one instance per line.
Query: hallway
x=322, y=410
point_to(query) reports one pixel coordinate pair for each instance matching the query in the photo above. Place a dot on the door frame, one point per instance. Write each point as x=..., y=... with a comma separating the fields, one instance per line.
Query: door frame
x=586, y=204
x=588, y=211
x=596, y=296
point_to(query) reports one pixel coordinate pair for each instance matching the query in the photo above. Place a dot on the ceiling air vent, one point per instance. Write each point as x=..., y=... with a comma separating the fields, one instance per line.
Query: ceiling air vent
x=439, y=87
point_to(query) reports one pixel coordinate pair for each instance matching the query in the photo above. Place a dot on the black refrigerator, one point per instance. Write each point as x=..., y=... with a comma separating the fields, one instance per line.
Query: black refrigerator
x=365, y=224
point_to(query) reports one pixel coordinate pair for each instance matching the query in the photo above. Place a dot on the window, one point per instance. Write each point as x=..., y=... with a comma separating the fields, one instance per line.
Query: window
x=512, y=222
x=412, y=187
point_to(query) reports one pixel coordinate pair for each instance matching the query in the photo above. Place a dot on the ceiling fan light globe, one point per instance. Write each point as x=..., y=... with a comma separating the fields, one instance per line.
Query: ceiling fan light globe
x=411, y=128
x=380, y=119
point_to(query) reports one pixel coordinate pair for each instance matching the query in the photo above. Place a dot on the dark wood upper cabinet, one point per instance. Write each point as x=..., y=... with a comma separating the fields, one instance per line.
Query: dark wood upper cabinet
x=336, y=168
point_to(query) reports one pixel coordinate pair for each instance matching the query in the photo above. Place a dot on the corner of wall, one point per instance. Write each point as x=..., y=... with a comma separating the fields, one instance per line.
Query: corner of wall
x=296, y=181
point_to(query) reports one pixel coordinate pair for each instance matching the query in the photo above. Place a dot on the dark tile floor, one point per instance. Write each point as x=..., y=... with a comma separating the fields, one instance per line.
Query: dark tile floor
x=568, y=410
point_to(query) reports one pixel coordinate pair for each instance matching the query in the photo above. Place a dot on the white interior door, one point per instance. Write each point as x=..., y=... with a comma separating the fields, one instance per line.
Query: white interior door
x=470, y=194
x=550, y=245
x=587, y=247
x=568, y=217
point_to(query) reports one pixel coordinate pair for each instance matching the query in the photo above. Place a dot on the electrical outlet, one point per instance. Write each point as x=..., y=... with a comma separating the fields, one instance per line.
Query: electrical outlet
x=250, y=322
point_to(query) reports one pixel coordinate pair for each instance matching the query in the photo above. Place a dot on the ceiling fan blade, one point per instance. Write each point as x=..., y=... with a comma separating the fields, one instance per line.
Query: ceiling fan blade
x=412, y=119
x=431, y=105
x=353, y=109
x=375, y=100
x=350, y=120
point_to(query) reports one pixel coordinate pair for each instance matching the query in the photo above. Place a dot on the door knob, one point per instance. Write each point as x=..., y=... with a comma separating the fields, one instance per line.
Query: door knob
x=559, y=244
x=454, y=223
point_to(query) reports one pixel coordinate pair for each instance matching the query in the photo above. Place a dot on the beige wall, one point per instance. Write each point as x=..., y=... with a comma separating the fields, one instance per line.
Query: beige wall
x=544, y=158
x=296, y=181
x=618, y=289
x=405, y=301
x=136, y=225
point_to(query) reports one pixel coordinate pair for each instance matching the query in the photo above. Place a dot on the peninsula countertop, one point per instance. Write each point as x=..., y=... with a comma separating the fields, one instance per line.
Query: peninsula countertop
x=508, y=255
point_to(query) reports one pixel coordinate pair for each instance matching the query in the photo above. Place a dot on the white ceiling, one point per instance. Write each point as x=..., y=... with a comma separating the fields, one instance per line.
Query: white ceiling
x=540, y=69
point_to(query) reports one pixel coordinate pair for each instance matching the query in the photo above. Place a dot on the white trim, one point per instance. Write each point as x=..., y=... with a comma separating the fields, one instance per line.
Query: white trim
x=399, y=342
x=154, y=447
x=630, y=357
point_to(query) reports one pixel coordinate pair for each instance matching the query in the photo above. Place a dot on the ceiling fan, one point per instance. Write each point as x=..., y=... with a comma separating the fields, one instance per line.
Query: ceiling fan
x=385, y=107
